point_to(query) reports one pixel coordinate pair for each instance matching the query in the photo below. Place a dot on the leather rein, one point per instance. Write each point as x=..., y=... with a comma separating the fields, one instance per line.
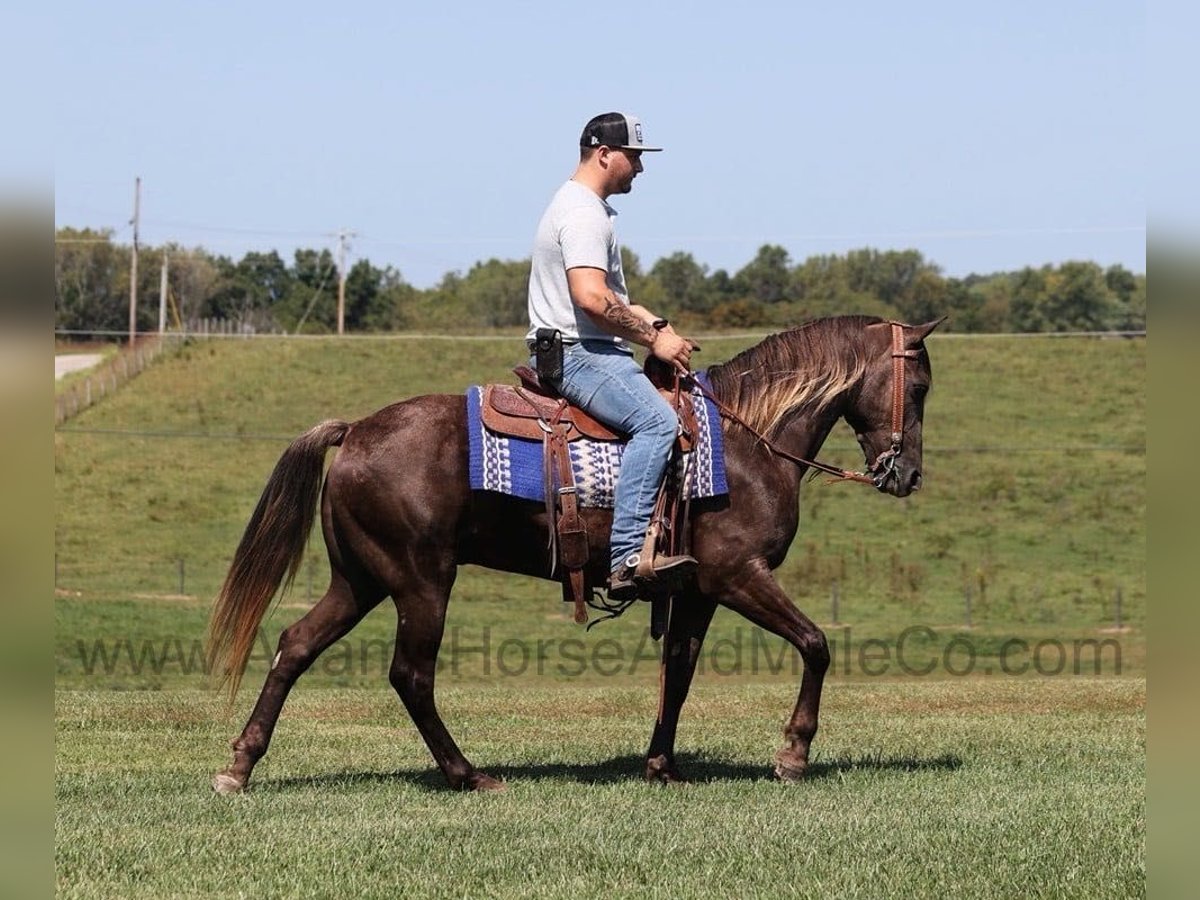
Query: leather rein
x=885, y=464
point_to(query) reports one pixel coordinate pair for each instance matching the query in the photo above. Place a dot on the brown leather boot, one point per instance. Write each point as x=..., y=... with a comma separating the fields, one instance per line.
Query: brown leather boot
x=621, y=584
x=675, y=569
x=669, y=571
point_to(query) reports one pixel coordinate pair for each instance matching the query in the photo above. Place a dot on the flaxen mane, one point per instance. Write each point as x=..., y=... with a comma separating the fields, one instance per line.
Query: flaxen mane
x=806, y=366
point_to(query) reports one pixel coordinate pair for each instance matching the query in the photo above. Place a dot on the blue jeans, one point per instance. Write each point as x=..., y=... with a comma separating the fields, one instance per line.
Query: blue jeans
x=607, y=383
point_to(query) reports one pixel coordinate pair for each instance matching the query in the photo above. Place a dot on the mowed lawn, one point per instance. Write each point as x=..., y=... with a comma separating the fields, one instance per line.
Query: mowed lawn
x=961, y=788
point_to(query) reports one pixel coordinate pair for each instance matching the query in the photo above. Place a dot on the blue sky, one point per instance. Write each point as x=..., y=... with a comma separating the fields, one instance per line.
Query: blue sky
x=987, y=135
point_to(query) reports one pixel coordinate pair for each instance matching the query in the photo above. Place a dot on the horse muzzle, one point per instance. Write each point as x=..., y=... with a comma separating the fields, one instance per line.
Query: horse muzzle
x=897, y=480
x=891, y=475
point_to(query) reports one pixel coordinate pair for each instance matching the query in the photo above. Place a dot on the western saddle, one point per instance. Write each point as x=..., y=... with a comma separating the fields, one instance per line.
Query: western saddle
x=533, y=410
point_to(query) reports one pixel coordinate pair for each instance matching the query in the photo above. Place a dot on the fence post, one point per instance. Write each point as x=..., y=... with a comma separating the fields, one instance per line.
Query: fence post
x=181, y=572
x=833, y=600
x=967, y=603
x=1118, y=607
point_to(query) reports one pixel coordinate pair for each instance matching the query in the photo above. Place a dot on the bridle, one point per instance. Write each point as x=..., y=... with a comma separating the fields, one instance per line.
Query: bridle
x=884, y=466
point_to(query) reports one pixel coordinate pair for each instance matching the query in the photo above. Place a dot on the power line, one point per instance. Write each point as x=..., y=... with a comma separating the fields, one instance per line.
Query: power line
x=948, y=233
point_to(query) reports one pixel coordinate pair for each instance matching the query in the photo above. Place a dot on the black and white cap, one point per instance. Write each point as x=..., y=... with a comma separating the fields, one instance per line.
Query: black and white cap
x=615, y=129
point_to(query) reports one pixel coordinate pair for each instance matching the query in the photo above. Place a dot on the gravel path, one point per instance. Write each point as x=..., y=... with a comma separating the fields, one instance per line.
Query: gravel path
x=73, y=362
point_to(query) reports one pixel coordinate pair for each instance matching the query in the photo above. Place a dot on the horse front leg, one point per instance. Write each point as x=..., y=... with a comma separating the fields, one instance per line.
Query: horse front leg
x=690, y=618
x=759, y=598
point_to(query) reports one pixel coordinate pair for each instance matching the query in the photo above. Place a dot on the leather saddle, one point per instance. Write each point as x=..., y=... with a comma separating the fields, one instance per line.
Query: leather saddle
x=535, y=411
x=525, y=410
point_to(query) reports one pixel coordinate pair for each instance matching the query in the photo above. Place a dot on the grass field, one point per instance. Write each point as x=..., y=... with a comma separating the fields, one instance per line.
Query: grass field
x=965, y=789
x=997, y=758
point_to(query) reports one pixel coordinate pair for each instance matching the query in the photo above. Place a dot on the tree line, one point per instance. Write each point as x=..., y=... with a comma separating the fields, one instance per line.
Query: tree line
x=91, y=291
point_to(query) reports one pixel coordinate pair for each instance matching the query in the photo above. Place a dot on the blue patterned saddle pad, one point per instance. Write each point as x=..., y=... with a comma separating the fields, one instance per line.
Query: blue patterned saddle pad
x=513, y=466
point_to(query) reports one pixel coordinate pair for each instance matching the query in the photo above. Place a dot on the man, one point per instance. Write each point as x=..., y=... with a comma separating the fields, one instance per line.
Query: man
x=577, y=287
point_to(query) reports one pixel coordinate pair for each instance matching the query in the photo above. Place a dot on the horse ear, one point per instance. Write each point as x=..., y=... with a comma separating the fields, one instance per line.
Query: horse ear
x=918, y=333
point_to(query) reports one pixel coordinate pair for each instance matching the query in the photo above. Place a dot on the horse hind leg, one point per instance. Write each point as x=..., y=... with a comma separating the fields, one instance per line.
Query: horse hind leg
x=421, y=604
x=338, y=611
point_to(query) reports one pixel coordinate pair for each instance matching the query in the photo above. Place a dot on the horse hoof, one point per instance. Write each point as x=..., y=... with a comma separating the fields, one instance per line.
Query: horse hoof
x=227, y=783
x=788, y=768
x=659, y=771
x=481, y=782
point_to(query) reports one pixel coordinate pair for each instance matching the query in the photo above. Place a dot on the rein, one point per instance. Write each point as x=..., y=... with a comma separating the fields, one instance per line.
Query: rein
x=885, y=463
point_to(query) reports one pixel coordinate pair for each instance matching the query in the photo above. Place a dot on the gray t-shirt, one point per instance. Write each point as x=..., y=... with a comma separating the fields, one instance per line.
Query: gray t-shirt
x=575, y=231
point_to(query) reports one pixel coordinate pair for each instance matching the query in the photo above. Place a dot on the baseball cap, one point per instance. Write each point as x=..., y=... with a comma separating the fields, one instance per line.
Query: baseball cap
x=614, y=129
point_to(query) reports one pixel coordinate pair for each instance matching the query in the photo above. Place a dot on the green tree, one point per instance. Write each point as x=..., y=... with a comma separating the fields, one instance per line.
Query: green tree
x=767, y=277
x=721, y=287
x=684, y=282
x=249, y=289
x=743, y=313
x=496, y=293
x=441, y=307
x=1129, y=291
x=1028, y=300
x=394, y=307
x=192, y=278
x=91, y=281
x=1079, y=299
x=927, y=296
x=644, y=289
x=364, y=284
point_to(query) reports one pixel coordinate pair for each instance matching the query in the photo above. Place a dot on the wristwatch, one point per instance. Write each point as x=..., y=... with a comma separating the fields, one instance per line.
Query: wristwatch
x=660, y=324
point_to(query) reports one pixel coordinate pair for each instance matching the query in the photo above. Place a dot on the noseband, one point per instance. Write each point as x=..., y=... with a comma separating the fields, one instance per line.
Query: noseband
x=885, y=464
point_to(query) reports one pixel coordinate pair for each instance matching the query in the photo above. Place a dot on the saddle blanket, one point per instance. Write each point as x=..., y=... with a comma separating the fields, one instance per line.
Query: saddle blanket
x=514, y=466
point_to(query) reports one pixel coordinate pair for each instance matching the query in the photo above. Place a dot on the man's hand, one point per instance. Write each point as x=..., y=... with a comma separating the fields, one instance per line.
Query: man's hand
x=672, y=349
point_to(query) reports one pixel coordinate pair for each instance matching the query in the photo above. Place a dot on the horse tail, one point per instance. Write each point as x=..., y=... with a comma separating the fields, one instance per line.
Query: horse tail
x=270, y=551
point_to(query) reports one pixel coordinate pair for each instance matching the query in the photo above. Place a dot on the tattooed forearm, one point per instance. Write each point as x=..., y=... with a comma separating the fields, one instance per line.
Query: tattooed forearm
x=620, y=315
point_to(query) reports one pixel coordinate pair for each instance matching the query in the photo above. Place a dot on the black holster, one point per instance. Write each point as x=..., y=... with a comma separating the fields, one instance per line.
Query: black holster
x=548, y=351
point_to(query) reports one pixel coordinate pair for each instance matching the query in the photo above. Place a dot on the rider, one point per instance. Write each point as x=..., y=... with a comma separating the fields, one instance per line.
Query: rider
x=576, y=286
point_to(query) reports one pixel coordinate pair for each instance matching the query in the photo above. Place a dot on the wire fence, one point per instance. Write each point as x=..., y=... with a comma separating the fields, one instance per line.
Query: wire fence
x=106, y=378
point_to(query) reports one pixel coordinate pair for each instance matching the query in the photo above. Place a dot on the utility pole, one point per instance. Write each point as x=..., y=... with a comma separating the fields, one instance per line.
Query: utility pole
x=162, y=300
x=343, y=235
x=133, y=275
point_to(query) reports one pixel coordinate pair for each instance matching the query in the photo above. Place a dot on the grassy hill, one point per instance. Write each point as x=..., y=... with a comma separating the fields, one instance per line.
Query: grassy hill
x=1033, y=509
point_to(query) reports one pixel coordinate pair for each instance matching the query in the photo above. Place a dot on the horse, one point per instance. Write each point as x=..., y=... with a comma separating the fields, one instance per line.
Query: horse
x=399, y=517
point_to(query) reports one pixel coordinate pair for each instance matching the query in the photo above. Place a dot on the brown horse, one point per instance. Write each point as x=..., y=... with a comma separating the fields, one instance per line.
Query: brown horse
x=399, y=517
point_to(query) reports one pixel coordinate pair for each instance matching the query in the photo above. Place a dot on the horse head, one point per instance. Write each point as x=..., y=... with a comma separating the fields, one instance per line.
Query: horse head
x=888, y=406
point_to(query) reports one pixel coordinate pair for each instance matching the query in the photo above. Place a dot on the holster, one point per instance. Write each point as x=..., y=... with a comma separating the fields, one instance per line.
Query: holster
x=548, y=351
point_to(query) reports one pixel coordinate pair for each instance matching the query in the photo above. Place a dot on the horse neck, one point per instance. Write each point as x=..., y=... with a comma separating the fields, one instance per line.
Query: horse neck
x=805, y=432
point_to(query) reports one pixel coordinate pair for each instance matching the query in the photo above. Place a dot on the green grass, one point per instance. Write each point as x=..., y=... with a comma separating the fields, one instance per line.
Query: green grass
x=1029, y=781
x=959, y=789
